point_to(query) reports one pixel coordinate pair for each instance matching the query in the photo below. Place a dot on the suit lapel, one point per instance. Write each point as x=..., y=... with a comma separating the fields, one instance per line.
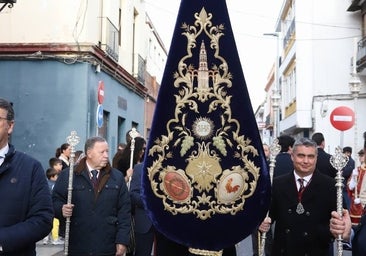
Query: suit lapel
x=289, y=188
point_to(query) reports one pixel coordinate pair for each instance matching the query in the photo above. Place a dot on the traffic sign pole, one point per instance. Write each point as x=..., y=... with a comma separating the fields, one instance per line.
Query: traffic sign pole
x=341, y=139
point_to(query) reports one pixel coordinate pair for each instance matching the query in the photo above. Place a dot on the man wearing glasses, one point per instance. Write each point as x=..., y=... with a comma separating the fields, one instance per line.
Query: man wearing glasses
x=26, y=210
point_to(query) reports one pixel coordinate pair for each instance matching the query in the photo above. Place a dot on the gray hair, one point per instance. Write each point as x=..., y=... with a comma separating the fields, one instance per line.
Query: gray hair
x=89, y=144
x=305, y=142
x=8, y=106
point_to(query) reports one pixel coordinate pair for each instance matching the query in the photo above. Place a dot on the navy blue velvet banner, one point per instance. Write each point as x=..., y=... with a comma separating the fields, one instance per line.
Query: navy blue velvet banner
x=206, y=182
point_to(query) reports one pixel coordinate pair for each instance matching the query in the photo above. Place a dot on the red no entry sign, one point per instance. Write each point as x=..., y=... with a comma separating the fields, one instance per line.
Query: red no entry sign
x=100, y=92
x=342, y=118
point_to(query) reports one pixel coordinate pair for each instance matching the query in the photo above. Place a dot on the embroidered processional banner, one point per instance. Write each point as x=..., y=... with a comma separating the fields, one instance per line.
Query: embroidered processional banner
x=206, y=182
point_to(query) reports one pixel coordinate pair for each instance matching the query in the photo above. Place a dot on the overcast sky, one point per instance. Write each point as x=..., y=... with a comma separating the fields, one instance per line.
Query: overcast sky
x=249, y=20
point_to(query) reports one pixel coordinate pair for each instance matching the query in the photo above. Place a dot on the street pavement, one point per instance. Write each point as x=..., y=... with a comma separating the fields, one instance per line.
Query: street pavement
x=49, y=249
x=244, y=248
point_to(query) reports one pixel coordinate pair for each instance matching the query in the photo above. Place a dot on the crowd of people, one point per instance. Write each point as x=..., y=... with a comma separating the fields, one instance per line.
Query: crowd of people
x=32, y=198
x=302, y=214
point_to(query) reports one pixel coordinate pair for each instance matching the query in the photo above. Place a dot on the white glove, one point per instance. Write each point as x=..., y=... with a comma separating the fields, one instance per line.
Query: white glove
x=352, y=183
x=355, y=172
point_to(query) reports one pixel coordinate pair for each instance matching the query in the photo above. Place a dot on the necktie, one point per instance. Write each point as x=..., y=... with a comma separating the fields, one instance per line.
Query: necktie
x=300, y=208
x=301, y=182
x=94, y=178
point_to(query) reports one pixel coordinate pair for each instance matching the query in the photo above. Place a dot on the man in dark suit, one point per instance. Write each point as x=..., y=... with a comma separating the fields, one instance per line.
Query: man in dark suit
x=100, y=209
x=346, y=173
x=323, y=164
x=284, y=163
x=302, y=202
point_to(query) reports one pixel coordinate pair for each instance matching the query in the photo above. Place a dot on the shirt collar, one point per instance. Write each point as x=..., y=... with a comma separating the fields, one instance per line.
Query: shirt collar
x=306, y=178
x=89, y=168
x=4, y=150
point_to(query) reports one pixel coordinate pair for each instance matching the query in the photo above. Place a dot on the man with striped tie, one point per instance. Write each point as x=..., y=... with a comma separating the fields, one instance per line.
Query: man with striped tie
x=302, y=202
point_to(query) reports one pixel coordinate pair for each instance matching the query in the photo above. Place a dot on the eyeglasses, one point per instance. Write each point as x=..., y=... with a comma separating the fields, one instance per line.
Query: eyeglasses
x=3, y=118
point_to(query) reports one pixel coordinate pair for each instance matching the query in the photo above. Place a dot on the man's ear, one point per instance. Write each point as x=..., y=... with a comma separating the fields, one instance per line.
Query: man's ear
x=10, y=127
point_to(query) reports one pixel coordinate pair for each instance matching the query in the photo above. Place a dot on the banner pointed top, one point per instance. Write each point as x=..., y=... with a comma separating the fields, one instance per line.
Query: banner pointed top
x=206, y=182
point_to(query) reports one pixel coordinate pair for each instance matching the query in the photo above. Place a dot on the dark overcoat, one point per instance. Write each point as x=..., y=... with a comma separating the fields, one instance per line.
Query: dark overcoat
x=142, y=221
x=307, y=233
x=25, y=206
x=284, y=164
x=100, y=218
x=359, y=240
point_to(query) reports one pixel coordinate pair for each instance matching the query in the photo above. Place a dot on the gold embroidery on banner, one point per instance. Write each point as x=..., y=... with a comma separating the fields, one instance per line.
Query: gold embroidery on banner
x=203, y=188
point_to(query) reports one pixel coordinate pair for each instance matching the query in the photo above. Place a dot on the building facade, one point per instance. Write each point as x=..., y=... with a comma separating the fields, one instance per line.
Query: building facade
x=315, y=71
x=76, y=65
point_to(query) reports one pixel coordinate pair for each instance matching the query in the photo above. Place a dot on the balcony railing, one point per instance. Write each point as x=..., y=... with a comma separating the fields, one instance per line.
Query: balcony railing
x=289, y=32
x=361, y=55
x=269, y=121
x=141, y=69
x=109, y=38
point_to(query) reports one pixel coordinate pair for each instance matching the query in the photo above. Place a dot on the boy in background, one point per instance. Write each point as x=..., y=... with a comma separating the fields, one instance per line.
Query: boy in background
x=52, y=175
x=56, y=164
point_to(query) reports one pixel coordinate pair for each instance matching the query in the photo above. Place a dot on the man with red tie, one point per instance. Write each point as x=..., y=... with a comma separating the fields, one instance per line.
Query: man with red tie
x=100, y=209
x=302, y=202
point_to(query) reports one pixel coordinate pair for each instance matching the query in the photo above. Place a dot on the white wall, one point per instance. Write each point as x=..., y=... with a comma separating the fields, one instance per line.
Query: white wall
x=324, y=46
x=50, y=21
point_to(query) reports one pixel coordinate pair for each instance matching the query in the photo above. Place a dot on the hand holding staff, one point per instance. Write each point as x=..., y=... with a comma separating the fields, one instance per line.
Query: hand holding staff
x=339, y=161
x=73, y=140
x=274, y=149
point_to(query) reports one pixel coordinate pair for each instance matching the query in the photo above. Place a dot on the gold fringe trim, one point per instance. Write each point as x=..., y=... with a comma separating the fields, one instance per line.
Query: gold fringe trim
x=205, y=252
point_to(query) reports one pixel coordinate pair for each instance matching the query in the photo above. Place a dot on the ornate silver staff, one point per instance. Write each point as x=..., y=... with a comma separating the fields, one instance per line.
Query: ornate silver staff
x=133, y=134
x=73, y=140
x=339, y=161
x=274, y=149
